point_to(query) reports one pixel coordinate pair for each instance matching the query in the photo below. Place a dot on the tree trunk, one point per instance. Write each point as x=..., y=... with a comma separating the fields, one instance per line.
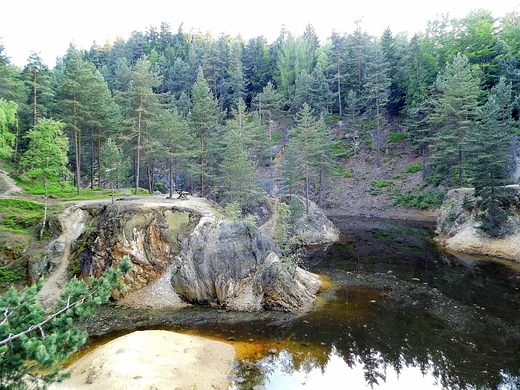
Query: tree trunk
x=35, y=111
x=202, y=164
x=339, y=94
x=44, y=208
x=170, y=176
x=138, y=154
x=77, y=146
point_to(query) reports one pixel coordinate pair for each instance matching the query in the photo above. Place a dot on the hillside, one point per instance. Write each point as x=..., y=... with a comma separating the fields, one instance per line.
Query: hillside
x=364, y=189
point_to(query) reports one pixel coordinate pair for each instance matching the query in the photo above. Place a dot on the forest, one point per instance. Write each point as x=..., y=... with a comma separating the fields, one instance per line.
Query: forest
x=163, y=110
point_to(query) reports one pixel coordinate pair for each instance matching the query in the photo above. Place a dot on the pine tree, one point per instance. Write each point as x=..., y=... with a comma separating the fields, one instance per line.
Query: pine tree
x=35, y=342
x=454, y=114
x=203, y=120
x=114, y=164
x=377, y=90
x=38, y=79
x=140, y=106
x=177, y=143
x=489, y=159
x=307, y=154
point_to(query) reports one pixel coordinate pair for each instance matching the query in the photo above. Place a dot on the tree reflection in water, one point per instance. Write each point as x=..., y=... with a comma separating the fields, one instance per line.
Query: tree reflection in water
x=398, y=312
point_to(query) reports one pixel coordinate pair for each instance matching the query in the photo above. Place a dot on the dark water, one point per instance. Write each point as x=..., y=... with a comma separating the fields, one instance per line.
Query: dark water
x=397, y=314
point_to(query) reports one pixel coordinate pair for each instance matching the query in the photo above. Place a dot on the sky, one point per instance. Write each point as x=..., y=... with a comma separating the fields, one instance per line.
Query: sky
x=48, y=27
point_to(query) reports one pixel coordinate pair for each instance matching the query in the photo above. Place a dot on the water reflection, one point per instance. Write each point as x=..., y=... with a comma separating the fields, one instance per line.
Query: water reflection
x=398, y=312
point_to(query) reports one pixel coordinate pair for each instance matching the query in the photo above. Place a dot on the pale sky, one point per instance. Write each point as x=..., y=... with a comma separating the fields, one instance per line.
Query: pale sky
x=49, y=26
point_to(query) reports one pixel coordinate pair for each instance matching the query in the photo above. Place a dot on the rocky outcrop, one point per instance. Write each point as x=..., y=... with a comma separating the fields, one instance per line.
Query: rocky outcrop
x=238, y=267
x=149, y=235
x=313, y=228
x=230, y=264
x=457, y=228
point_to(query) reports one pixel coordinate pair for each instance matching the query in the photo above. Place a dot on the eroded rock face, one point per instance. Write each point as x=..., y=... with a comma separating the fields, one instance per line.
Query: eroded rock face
x=237, y=266
x=224, y=263
x=149, y=236
x=457, y=229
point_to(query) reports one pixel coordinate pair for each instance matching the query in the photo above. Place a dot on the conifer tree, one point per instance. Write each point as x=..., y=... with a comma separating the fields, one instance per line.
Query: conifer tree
x=113, y=163
x=377, y=89
x=34, y=342
x=46, y=159
x=38, y=79
x=454, y=114
x=307, y=154
x=489, y=158
x=140, y=106
x=203, y=120
x=177, y=143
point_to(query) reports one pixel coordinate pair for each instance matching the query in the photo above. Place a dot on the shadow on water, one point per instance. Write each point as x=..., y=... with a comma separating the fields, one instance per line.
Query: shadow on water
x=398, y=313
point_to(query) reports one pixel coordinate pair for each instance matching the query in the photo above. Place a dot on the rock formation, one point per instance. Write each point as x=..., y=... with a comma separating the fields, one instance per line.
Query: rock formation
x=238, y=266
x=457, y=229
x=229, y=264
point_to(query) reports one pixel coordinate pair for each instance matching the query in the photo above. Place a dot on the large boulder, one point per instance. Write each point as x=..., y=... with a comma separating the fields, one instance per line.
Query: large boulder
x=237, y=266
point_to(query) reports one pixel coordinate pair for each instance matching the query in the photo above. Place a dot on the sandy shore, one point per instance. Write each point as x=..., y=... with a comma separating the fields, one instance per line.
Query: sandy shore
x=153, y=360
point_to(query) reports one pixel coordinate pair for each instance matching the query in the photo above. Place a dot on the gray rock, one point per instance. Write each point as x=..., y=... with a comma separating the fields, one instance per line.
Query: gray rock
x=238, y=266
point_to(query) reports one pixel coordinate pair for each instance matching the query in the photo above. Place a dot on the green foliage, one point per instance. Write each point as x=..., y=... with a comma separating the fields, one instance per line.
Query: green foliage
x=233, y=211
x=396, y=137
x=7, y=118
x=380, y=183
x=341, y=171
x=494, y=209
x=7, y=275
x=34, y=342
x=453, y=114
x=421, y=199
x=413, y=168
x=342, y=148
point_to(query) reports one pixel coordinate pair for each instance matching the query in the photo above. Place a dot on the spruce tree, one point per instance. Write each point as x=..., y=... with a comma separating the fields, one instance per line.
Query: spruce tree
x=307, y=154
x=453, y=114
x=203, y=120
x=489, y=159
x=377, y=91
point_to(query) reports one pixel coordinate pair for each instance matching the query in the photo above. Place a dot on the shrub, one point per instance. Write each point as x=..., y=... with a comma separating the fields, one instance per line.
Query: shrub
x=421, y=200
x=396, y=137
x=413, y=168
x=380, y=184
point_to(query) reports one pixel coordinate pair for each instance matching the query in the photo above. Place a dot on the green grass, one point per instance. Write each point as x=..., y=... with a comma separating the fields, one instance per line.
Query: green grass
x=19, y=216
x=9, y=276
x=381, y=183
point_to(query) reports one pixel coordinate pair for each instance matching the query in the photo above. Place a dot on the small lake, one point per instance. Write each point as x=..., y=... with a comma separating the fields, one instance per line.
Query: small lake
x=397, y=313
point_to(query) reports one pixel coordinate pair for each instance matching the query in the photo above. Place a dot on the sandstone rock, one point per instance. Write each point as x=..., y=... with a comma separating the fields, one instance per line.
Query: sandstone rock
x=457, y=229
